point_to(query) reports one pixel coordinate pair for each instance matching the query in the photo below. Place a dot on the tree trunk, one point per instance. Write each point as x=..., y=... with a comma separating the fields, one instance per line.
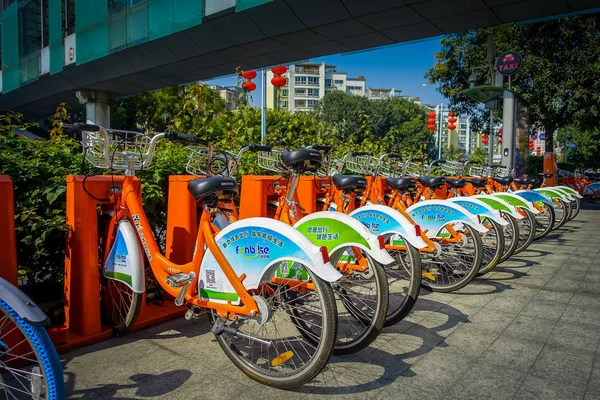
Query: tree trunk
x=549, y=138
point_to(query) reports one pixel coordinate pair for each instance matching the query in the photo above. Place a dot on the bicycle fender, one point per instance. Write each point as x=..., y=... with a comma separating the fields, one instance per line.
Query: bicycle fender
x=254, y=247
x=535, y=197
x=571, y=191
x=480, y=208
x=336, y=230
x=498, y=204
x=22, y=304
x=562, y=189
x=554, y=193
x=433, y=215
x=516, y=201
x=384, y=220
x=125, y=262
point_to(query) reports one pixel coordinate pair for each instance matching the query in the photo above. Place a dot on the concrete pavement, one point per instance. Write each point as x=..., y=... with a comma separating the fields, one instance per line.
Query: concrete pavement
x=531, y=329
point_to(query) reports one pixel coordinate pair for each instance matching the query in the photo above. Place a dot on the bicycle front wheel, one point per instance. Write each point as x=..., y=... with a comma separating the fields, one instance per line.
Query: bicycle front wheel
x=575, y=208
x=511, y=236
x=493, y=246
x=562, y=212
x=544, y=221
x=295, y=337
x=455, y=264
x=404, y=283
x=526, y=230
x=29, y=364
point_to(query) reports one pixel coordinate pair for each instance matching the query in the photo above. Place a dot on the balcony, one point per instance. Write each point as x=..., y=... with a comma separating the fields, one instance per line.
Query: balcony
x=307, y=70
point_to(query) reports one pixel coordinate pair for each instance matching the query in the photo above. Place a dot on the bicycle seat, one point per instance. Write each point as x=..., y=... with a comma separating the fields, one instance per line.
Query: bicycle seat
x=504, y=180
x=524, y=181
x=213, y=189
x=545, y=175
x=349, y=183
x=455, y=183
x=302, y=160
x=432, y=181
x=476, y=182
x=402, y=183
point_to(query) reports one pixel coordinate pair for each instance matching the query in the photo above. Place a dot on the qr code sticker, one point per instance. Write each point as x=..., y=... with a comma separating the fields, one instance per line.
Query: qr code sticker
x=284, y=268
x=211, y=280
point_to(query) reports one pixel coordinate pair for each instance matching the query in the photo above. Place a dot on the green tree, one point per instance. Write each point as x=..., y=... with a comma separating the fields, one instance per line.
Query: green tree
x=453, y=153
x=559, y=78
x=586, y=152
x=478, y=155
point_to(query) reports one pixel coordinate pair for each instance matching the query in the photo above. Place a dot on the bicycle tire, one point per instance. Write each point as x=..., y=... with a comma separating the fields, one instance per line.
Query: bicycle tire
x=402, y=299
x=526, y=230
x=511, y=236
x=44, y=351
x=446, y=263
x=493, y=246
x=324, y=345
x=544, y=221
x=358, y=323
x=561, y=213
x=575, y=208
x=124, y=316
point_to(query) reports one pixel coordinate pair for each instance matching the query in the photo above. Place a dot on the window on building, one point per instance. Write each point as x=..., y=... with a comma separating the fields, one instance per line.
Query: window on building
x=284, y=104
x=355, y=88
x=301, y=80
x=327, y=82
x=300, y=92
x=68, y=17
x=313, y=92
x=115, y=6
x=300, y=103
x=30, y=21
x=284, y=92
x=339, y=82
x=311, y=103
x=313, y=80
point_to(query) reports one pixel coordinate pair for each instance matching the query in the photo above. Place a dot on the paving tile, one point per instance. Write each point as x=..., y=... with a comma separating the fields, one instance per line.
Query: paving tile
x=509, y=351
x=508, y=303
x=535, y=388
x=581, y=315
x=554, y=296
x=544, y=309
x=576, y=336
x=485, y=381
x=472, y=339
x=564, y=364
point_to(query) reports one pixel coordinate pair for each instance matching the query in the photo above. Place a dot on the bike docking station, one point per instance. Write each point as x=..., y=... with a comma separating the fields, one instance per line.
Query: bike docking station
x=8, y=240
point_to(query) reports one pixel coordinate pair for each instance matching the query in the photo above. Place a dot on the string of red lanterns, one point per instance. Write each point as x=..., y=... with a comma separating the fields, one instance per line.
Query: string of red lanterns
x=484, y=139
x=278, y=80
x=451, y=121
x=499, y=135
x=431, y=121
x=249, y=86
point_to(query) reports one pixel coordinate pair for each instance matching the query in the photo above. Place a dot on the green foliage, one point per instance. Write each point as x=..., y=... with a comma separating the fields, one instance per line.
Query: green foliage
x=453, y=153
x=478, y=155
x=559, y=78
x=586, y=153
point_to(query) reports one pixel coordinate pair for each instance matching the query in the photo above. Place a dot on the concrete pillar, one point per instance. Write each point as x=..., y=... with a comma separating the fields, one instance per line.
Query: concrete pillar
x=509, y=130
x=97, y=106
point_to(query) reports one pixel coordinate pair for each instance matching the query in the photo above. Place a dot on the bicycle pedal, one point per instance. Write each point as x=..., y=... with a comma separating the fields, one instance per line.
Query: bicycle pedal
x=180, y=279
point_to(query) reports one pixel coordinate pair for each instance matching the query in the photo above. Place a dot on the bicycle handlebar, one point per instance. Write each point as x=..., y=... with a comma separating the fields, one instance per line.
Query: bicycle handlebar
x=361, y=153
x=171, y=135
x=258, y=147
x=395, y=155
x=80, y=126
x=321, y=147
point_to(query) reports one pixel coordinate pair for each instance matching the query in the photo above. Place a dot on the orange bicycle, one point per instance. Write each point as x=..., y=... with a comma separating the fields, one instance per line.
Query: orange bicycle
x=279, y=330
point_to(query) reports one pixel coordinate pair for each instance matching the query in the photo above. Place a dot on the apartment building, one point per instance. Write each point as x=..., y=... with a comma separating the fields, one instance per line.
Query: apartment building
x=231, y=95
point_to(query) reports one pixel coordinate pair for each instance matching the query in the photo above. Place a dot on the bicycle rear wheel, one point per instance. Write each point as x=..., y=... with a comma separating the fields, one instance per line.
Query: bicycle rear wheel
x=404, y=282
x=29, y=364
x=511, y=236
x=455, y=264
x=362, y=299
x=294, y=341
x=575, y=208
x=544, y=221
x=493, y=246
x=526, y=230
x=562, y=212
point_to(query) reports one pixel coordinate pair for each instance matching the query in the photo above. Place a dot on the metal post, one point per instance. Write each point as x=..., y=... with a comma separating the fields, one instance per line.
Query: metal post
x=263, y=124
x=441, y=127
x=565, y=145
x=491, y=139
x=508, y=130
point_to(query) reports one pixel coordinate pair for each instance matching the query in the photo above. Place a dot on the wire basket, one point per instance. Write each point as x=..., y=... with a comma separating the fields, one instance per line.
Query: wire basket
x=271, y=161
x=389, y=167
x=199, y=161
x=358, y=164
x=117, y=149
x=329, y=168
x=451, y=168
x=413, y=169
x=477, y=170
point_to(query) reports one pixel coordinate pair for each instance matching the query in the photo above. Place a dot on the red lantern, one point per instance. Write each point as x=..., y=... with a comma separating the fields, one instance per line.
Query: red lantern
x=249, y=74
x=450, y=114
x=249, y=86
x=484, y=141
x=279, y=70
x=451, y=127
x=451, y=120
x=278, y=81
x=431, y=121
x=432, y=115
x=538, y=152
x=499, y=132
x=484, y=136
x=499, y=140
x=431, y=127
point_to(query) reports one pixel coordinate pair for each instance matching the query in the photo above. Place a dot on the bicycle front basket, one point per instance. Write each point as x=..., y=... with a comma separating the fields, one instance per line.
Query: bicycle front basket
x=117, y=149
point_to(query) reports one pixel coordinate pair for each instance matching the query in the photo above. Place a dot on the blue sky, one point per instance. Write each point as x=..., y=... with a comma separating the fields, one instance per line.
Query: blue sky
x=400, y=66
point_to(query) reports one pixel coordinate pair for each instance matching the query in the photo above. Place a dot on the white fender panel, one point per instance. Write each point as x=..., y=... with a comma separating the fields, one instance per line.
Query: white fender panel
x=478, y=207
x=384, y=220
x=516, y=201
x=125, y=262
x=433, y=215
x=499, y=204
x=253, y=246
x=22, y=304
x=335, y=230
